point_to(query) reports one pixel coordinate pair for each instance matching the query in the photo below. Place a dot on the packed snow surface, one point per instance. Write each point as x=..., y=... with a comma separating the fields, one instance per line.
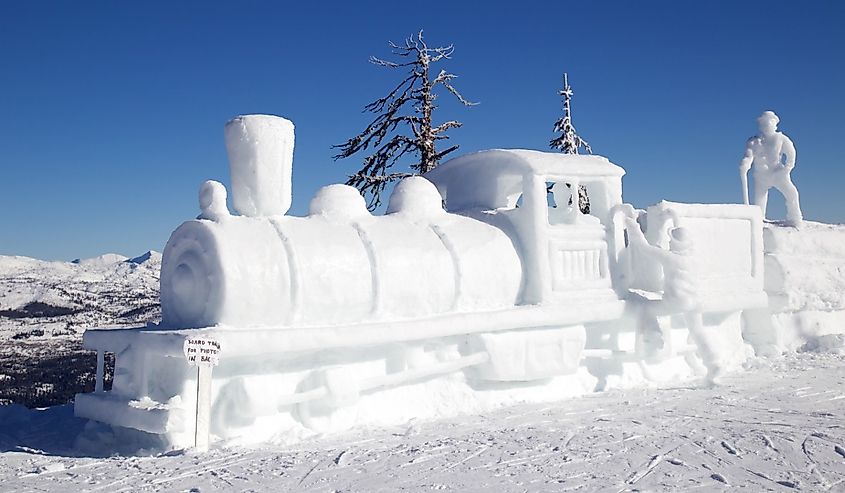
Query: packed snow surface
x=805, y=268
x=776, y=427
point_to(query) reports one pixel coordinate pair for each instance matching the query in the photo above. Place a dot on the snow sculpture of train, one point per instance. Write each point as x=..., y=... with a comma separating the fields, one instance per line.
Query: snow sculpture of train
x=344, y=317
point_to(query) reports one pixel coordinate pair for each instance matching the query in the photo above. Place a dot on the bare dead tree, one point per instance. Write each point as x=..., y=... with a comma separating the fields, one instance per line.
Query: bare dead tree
x=403, y=124
x=569, y=142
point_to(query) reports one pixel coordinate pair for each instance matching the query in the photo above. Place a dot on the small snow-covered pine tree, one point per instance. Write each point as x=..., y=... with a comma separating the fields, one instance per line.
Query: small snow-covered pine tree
x=404, y=123
x=569, y=142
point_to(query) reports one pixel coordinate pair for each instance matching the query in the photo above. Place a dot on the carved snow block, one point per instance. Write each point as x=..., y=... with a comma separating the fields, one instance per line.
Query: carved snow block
x=525, y=355
x=260, y=149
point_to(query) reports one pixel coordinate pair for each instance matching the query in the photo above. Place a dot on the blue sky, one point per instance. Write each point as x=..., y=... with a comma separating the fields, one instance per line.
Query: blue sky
x=113, y=112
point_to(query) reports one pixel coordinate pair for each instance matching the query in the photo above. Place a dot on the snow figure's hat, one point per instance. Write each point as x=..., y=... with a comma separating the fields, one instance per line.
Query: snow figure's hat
x=768, y=115
x=260, y=151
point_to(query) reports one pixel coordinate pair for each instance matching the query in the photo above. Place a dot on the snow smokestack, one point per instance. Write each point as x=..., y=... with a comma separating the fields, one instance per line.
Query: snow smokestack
x=260, y=149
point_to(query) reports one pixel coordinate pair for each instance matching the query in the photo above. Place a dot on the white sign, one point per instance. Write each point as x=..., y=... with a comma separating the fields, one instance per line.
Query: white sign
x=202, y=352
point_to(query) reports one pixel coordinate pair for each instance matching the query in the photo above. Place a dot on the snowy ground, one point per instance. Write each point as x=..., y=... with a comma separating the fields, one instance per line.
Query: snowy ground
x=779, y=426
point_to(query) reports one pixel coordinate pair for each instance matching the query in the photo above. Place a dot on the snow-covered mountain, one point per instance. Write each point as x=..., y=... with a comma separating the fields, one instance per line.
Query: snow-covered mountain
x=40, y=299
x=46, y=306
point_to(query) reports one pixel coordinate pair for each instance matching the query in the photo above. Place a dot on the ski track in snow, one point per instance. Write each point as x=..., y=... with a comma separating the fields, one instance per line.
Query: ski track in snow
x=772, y=428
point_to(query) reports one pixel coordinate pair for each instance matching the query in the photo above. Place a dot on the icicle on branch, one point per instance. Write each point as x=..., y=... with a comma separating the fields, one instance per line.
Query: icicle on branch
x=569, y=142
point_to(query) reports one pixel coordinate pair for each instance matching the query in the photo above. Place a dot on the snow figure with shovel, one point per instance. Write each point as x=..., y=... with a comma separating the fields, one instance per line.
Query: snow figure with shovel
x=771, y=156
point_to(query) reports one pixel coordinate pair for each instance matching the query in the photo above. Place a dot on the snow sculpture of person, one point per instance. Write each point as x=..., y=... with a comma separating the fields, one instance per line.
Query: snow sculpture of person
x=679, y=286
x=771, y=156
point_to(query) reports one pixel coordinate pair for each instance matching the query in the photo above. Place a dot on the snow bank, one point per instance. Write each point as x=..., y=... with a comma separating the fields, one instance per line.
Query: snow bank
x=102, y=260
x=805, y=269
x=805, y=280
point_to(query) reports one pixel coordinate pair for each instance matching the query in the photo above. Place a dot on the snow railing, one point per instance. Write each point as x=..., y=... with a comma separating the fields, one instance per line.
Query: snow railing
x=281, y=340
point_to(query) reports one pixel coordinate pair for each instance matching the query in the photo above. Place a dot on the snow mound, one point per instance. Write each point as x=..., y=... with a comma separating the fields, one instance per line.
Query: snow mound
x=150, y=256
x=805, y=269
x=805, y=280
x=102, y=260
x=830, y=343
x=338, y=202
x=416, y=197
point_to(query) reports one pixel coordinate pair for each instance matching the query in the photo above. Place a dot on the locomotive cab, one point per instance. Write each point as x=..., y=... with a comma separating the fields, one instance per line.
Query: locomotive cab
x=564, y=251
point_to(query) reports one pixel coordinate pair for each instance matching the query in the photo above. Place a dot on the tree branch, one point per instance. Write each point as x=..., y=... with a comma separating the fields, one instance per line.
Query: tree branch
x=407, y=109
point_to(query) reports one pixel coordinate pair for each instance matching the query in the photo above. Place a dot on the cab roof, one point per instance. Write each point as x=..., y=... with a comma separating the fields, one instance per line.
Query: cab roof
x=494, y=178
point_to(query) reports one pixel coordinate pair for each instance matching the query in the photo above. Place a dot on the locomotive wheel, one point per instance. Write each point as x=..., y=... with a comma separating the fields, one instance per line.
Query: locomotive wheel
x=334, y=412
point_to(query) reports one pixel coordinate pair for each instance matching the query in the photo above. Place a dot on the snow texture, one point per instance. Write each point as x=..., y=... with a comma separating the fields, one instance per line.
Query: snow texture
x=805, y=279
x=775, y=427
x=212, y=200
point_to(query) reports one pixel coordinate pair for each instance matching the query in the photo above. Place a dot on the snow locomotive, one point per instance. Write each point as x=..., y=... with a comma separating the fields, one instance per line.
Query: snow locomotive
x=508, y=294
